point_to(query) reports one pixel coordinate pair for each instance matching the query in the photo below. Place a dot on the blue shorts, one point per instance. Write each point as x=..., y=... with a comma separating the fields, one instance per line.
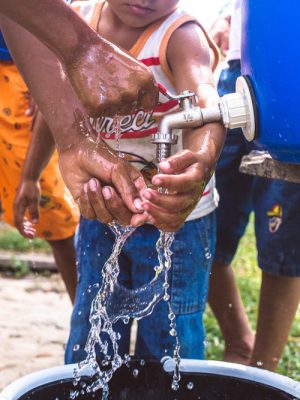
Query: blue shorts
x=193, y=250
x=276, y=204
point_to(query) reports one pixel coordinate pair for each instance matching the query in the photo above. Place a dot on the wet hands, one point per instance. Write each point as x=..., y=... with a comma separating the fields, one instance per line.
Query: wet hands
x=105, y=186
x=109, y=80
x=27, y=200
x=184, y=176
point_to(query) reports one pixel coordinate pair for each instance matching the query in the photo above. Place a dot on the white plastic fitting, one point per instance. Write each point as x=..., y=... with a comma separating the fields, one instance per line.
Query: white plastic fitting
x=238, y=110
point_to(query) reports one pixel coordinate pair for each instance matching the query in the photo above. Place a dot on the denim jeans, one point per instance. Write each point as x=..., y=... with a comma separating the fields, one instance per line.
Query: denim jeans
x=193, y=250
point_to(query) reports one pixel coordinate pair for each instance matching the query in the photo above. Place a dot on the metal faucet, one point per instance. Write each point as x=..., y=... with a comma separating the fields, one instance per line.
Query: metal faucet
x=233, y=111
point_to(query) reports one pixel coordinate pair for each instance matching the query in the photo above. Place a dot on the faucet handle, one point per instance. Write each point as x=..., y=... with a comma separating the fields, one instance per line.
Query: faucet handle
x=182, y=97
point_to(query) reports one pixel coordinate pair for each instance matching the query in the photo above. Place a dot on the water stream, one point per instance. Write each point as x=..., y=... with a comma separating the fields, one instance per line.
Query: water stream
x=114, y=302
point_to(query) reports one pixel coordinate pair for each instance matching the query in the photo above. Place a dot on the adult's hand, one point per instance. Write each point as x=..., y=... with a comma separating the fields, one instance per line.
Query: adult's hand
x=82, y=157
x=105, y=78
x=110, y=81
x=89, y=158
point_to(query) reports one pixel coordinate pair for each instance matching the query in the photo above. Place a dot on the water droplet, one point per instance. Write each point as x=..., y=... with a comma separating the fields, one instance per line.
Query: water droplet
x=190, y=385
x=207, y=254
x=135, y=373
x=171, y=316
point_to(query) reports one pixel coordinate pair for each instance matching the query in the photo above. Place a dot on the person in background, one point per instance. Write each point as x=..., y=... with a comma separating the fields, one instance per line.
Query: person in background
x=58, y=217
x=276, y=205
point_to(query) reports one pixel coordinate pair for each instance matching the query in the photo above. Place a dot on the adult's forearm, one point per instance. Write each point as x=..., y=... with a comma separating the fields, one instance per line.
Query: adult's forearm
x=53, y=22
x=48, y=84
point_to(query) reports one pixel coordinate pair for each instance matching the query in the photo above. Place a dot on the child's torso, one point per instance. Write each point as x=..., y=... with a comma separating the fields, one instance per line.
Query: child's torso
x=135, y=130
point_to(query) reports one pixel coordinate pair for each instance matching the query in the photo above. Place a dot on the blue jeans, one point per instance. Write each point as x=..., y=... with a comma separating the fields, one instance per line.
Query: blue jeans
x=275, y=203
x=193, y=250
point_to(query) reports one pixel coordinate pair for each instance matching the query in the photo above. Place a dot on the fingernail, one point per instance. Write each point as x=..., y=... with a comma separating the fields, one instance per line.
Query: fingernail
x=147, y=195
x=93, y=184
x=146, y=206
x=139, y=183
x=106, y=193
x=165, y=164
x=85, y=188
x=156, y=181
x=138, y=204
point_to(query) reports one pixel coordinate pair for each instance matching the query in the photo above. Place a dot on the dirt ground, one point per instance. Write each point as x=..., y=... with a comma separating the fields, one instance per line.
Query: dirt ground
x=34, y=320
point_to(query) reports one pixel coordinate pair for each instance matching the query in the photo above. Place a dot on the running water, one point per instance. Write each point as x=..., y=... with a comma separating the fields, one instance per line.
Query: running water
x=114, y=302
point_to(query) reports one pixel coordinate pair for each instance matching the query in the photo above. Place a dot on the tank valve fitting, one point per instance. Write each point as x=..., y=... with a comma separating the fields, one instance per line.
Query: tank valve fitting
x=234, y=110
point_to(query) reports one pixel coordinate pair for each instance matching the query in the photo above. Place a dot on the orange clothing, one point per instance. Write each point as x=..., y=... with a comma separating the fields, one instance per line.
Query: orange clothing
x=58, y=212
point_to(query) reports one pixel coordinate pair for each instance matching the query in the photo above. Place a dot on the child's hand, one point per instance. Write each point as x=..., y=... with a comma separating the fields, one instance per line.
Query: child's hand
x=27, y=199
x=184, y=176
x=109, y=81
x=87, y=160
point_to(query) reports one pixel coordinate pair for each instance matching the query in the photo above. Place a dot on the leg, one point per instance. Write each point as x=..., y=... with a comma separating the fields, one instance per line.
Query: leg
x=279, y=299
x=229, y=311
x=235, y=205
x=277, y=231
x=64, y=255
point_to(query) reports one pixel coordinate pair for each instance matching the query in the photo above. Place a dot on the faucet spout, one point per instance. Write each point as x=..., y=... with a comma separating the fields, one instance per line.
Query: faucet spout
x=189, y=117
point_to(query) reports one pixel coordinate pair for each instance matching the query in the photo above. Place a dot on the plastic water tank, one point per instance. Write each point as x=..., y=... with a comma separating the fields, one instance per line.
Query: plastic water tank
x=271, y=59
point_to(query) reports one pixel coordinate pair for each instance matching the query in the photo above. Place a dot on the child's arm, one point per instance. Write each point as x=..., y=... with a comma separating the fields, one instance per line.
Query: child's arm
x=91, y=62
x=81, y=156
x=186, y=173
x=28, y=195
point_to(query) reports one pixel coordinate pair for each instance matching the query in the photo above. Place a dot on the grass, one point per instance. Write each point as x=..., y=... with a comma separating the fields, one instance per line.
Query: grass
x=249, y=278
x=11, y=239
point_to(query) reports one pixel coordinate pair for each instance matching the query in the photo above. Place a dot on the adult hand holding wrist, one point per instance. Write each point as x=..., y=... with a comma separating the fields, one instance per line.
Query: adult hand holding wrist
x=110, y=81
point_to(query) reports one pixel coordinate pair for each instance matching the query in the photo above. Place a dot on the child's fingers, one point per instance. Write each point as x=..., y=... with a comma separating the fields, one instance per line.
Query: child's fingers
x=180, y=183
x=33, y=210
x=22, y=224
x=173, y=202
x=123, y=178
x=28, y=230
x=178, y=162
x=140, y=219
